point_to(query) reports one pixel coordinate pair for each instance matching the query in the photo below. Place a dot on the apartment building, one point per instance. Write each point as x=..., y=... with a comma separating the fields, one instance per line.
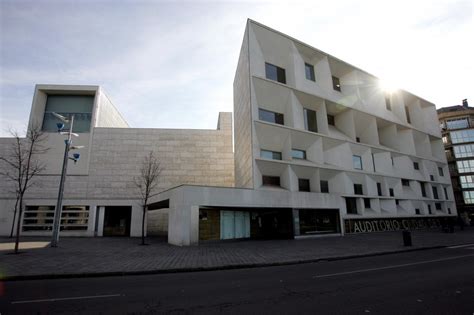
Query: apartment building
x=319, y=149
x=457, y=125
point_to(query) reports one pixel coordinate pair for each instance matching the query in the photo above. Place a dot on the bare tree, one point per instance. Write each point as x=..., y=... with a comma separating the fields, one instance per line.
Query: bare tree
x=21, y=165
x=147, y=183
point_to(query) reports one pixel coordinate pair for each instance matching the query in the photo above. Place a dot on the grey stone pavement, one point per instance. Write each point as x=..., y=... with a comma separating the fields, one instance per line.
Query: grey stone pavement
x=76, y=257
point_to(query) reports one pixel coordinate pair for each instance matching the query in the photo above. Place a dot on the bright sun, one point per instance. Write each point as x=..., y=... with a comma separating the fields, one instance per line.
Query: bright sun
x=388, y=86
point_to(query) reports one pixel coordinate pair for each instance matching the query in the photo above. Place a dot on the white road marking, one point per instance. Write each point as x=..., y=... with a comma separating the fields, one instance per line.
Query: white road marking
x=390, y=267
x=460, y=246
x=67, y=298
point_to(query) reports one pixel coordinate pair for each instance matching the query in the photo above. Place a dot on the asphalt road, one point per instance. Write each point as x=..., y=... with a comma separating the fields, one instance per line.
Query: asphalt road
x=423, y=282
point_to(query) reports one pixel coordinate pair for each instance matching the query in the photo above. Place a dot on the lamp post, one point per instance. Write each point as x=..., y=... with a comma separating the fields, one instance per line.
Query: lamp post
x=75, y=158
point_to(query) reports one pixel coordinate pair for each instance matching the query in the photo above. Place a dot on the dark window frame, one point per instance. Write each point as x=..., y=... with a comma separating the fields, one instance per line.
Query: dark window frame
x=336, y=84
x=271, y=181
x=324, y=186
x=278, y=118
x=310, y=68
x=304, y=184
x=280, y=73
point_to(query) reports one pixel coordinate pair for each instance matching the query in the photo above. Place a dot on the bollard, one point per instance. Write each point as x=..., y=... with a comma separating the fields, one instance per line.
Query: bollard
x=407, y=238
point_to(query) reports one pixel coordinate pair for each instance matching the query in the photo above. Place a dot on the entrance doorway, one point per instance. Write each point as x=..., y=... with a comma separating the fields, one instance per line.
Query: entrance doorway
x=117, y=221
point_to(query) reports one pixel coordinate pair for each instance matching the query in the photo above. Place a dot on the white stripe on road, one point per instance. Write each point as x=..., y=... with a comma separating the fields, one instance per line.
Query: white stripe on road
x=67, y=298
x=390, y=267
x=460, y=246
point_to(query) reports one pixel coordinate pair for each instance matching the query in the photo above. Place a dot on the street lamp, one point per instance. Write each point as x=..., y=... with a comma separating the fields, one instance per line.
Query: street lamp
x=75, y=157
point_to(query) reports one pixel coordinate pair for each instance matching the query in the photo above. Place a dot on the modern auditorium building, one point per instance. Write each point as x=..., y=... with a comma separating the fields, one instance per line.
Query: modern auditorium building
x=318, y=149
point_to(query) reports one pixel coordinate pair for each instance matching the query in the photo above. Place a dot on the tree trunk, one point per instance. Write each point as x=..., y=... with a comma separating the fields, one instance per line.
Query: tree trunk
x=17, y=240
x=14, y=217
x=143, y=225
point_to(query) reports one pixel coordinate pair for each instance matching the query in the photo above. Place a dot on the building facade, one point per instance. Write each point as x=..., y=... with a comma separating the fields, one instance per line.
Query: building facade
x=100, y=196
x=319, y=149
x=457, y=125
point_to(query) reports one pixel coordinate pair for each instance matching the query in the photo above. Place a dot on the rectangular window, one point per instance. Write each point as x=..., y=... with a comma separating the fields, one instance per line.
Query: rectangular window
x=298, y=154
x=310, y=122
x=373, y=162
x=405, y=182
x=429, y=209
x=467, y=181
x=379, y=189
x=67, y=105
x=358, y=189
x=331, y=120
x=397, y=202
x=438, y=206
x=275, y=73
x=416, y=166
x=40, y=218
x=271, y=117
x=324, y=186
x=445, y=193
x=367, y=203
x=390, y=191
x=318, y=221
x=466, y=166
x=468, y=196
x=357, y=139
x=423, y=190
x=432, y=178
x=388, y=103
x=457, y=123
x=351, y=205
x=336, y=85
x=435, y=192
x=461, y=136
x=271, y=181
x=407, y=113
x=272, y=155
x=309, y=71
x=417, y=211
x=357, y=162
x=393, y=162
x=449, y=210
x=440, y=171
x=462, y=151
x=303, y=184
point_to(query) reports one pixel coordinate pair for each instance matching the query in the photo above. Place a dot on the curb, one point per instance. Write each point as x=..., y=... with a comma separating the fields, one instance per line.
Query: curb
x=214, y=268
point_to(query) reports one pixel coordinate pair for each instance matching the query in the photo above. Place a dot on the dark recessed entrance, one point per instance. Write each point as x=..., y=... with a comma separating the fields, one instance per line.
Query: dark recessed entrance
x=117, y=221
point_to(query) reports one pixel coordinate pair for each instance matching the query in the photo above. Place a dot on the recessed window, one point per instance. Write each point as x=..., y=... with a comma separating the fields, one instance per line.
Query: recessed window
x=405, y=182
x=449, y=210
x=357, y=139
x=331, y=120
x=367, y=203
x=271, y=181
x=67, y=105
x=271, y=117
x=358, y=189
x=303, y=184
x=440, y=171
x=407, y=113
x=423, y=190
x=435, y=192
x=310, y=121
x=432, y=178
x=298, y=154
x=397, y=202
x=388, y=103
x=40, y=218
x=336, y=85
x=379, y=189
x=393, y=162
x=416, y=166
x=309, y=71
x=275, y=73
x=272, y=155
x=417, y=211
x=324, y=186
x=438, y=206
x=390, y=191
x=445, y=193
x=351, y=205
x=429, y=209
x=357, y=162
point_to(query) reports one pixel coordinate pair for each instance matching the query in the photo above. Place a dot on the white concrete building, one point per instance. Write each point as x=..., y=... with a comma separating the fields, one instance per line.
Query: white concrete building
x=319, y=149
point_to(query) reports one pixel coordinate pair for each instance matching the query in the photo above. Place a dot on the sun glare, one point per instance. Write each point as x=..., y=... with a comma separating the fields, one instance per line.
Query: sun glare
x=388, y=86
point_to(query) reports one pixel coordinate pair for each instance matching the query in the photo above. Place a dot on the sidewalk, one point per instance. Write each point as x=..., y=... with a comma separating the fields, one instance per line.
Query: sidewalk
x=78, y=257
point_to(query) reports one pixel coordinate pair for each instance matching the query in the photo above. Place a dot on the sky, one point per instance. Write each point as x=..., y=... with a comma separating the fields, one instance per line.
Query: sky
x=171, y=64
